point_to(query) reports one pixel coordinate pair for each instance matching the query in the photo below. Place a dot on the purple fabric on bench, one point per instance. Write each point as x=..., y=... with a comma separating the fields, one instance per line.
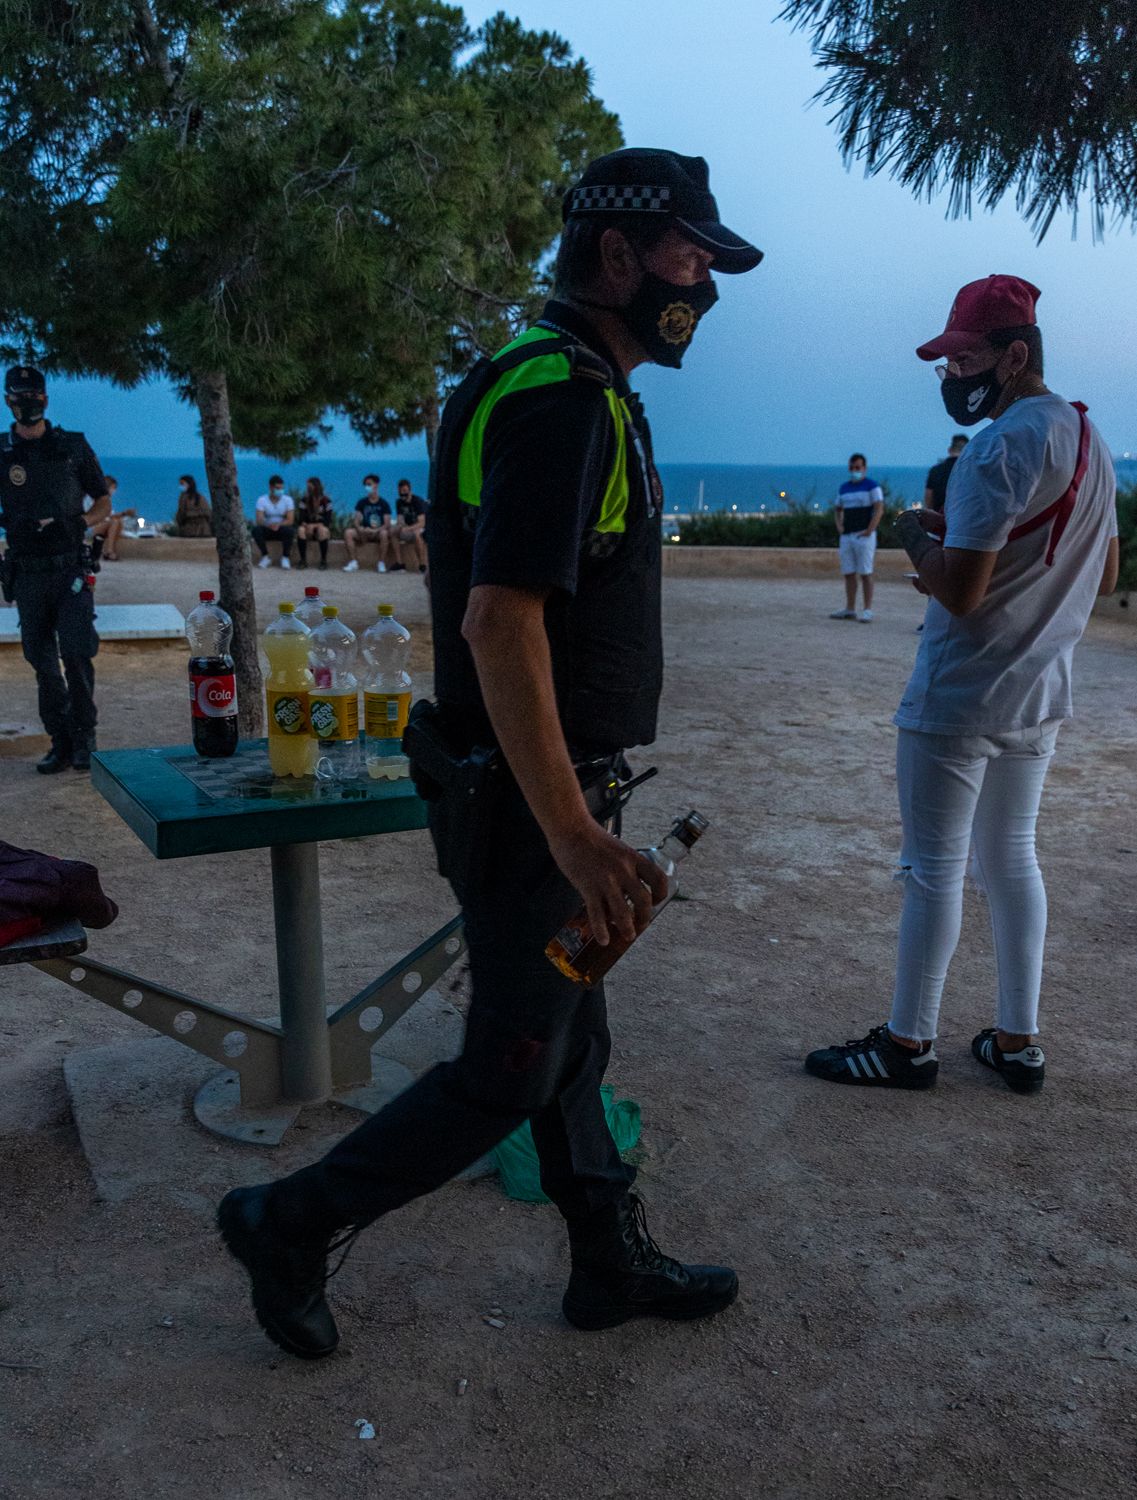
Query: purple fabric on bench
x=40, y=885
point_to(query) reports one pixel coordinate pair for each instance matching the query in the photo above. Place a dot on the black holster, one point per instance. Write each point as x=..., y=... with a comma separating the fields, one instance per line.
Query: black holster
x=466, y=786
x=8, y=578
x=463, y=786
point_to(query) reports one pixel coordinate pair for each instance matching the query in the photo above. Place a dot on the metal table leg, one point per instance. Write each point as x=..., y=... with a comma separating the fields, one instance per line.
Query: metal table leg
x=309, y=1057
x=306, y=1059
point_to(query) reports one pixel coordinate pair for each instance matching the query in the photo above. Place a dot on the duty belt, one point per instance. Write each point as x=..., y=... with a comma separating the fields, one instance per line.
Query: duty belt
x=60, y=563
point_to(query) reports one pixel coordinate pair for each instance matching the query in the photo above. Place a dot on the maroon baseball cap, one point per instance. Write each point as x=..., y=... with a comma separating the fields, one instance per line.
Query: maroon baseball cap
x=981, y=307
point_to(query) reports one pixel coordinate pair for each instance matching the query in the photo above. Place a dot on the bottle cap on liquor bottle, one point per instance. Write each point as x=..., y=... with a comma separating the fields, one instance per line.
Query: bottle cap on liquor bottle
x=690, y=828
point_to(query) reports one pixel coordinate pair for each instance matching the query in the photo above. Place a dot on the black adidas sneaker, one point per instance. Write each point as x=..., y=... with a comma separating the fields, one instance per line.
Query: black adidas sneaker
x=875, y=1060
x=1024, y=1071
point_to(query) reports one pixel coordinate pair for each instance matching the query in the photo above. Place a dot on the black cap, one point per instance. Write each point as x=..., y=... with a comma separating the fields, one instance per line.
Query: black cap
x=641, y=181
x=24, y=378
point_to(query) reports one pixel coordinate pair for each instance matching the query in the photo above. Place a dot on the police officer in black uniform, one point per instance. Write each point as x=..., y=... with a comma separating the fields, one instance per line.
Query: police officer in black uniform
x=45, y=473
x=544, y=544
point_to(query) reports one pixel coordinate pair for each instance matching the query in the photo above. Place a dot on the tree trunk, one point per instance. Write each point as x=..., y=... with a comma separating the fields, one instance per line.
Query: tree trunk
x=235, y=572
x=433, y=420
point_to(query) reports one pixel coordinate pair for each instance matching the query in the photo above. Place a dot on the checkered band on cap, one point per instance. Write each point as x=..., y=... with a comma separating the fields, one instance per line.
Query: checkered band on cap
x=627, y=198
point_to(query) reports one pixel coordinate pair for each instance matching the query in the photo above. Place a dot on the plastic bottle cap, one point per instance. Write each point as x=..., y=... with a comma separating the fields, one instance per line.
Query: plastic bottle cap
x=285, y=608
x=206, y=595
x=385, y=609
x=330, y=611
x=312, y=593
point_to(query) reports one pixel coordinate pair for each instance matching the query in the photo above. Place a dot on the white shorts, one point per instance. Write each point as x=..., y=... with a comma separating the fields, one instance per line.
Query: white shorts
x=857, y=553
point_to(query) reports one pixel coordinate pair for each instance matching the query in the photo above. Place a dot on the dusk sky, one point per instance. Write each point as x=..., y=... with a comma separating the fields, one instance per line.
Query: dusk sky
x=811, y=355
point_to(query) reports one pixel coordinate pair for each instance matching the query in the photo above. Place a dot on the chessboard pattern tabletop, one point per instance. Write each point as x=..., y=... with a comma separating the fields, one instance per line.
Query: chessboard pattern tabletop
x=181, y=804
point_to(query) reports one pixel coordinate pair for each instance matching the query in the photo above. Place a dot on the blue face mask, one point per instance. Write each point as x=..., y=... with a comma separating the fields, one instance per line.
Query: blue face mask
x=856, y=473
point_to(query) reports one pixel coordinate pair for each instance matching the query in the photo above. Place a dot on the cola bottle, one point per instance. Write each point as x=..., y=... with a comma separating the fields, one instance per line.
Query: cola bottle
x=213, y=683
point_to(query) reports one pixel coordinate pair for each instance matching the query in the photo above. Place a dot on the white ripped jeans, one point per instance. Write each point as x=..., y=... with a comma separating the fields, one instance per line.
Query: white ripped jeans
x=977, y=794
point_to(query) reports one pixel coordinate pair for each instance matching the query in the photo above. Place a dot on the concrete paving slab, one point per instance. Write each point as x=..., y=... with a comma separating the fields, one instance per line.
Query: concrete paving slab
x=132, y=1103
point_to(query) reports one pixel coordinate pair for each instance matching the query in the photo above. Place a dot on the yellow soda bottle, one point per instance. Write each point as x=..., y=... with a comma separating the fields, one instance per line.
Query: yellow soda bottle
x=386, y=688
x=291, y=748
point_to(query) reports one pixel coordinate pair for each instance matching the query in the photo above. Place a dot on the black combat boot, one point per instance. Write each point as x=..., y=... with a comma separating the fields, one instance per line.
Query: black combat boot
x=81, y=755
x=619, y=1273
x=288, y=1274
x=57, y=759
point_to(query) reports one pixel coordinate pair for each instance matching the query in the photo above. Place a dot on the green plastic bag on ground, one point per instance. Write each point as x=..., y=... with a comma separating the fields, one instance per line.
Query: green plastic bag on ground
x=516, y=1157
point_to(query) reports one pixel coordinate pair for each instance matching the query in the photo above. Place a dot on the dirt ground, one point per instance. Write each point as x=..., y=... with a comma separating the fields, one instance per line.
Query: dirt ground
x=939, y=1292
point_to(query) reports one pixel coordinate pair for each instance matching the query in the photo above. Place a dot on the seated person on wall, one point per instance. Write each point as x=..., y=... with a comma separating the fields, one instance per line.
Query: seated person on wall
x=194, y=518
x=370, y=523
x=111, y=529
x=409, y=526
x=275, y=515
x=316, y=516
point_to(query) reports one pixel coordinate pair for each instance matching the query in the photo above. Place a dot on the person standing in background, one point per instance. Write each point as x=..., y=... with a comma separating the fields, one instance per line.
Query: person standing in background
x=193, y=518
x=44, y=475
x=316, y=517
x=858, y=509
x=935, y=486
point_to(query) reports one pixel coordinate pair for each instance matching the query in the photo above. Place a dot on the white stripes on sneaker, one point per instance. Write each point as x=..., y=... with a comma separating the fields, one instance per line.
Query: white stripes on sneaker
x=987, y=1047
x=859, y=1065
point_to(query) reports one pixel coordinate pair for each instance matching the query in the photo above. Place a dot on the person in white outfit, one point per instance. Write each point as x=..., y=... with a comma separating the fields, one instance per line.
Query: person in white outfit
x=1030, y=541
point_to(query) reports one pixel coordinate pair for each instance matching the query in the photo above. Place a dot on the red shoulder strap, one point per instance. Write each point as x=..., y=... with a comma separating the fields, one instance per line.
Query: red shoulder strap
x=1059, y=513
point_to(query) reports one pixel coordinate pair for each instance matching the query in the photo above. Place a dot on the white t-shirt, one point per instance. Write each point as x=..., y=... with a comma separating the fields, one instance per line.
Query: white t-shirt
x=1007, y=665
x=270, y=508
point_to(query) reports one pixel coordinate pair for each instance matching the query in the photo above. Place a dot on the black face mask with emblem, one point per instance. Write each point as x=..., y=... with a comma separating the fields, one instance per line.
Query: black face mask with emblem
x=662, y=316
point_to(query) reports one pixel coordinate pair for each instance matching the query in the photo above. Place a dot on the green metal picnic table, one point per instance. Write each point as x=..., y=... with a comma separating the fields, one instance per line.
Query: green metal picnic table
x=180, y=805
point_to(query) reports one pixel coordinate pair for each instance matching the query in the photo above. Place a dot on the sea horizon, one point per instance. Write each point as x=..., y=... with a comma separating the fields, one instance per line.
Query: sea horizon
x=150, y=485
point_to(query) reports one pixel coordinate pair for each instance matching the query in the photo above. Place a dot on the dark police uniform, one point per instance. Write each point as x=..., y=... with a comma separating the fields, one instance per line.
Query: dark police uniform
x=543, y=479
x=46, y=479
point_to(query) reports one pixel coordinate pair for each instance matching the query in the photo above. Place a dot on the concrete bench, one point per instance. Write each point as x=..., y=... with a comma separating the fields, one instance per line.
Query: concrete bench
x=115, y=622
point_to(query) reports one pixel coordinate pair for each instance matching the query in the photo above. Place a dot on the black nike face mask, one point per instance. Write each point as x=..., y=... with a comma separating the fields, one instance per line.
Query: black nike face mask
x=970, y=398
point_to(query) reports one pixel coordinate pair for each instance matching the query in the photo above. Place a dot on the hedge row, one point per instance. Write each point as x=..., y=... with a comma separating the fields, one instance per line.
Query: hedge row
x=796, y=527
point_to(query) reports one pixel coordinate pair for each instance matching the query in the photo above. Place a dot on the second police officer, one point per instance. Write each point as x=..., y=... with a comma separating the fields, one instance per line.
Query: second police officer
x=544, y=541
x=45, y=474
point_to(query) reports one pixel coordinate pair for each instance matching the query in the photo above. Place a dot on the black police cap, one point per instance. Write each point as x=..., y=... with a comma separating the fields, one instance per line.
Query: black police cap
x=638, y=180
x=24, y=378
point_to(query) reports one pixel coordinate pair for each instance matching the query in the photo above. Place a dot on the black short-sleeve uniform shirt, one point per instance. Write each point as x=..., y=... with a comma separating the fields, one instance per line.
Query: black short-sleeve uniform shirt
x=547, y=457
